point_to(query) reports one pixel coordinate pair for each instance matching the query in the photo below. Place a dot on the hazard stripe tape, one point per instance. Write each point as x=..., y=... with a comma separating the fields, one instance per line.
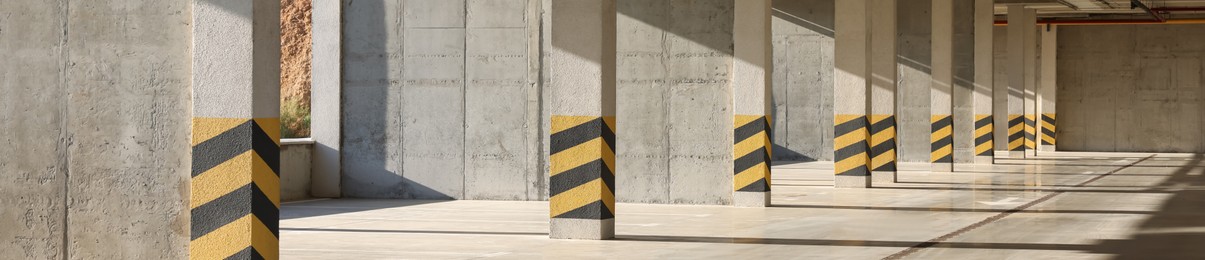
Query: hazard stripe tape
x=1030, y=132
x=1048, y=129
x=850, y=145
x=235, y=201
x=882, y=143
x=983, y=135
x=582, y=167
x=1016, y=133
x=942, y=139
x=751, y=150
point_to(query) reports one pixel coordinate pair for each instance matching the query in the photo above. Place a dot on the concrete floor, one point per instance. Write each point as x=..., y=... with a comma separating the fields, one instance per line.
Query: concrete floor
x=1060, y=205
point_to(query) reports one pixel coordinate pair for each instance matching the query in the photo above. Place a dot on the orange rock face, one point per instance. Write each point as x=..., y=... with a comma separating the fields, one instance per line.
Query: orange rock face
x=295, y=67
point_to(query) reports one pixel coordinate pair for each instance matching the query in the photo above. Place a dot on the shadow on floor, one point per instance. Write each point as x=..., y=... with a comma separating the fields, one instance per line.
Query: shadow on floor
x=1176, y=230
x=314, y=208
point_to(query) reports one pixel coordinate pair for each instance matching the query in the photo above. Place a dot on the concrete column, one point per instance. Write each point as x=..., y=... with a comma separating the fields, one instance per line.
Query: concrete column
x=984, y=96
x=582, y=134
x=882, y=91
x=236, y=130
x=1048, y=89
x=852, y=36
x=964, y=81
x=752, y=104
x=325, y=97
x=941, y=89
x=1031, y=81
x=1017, y=25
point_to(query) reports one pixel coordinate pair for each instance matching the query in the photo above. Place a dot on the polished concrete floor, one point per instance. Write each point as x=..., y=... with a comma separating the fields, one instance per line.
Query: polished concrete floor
x=1056, y=206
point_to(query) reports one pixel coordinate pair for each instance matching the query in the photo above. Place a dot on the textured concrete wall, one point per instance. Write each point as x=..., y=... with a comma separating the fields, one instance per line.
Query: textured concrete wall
x=674, y=95
x=295, y=162
x=97, y=127
x=914, y=21
x=1131, y=88
x=803, y=80
x=440, y=100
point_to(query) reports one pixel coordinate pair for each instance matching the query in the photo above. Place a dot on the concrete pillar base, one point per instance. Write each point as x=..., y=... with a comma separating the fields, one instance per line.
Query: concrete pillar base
x=942, y=167
x=746, y=199
x=984, y=160
x=883, y=177
x=844, y=181
x=583, y=229
x=1016, y=154
x=1046, y=148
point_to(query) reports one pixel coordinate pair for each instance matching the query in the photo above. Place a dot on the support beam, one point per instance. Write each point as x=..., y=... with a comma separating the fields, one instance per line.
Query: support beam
x=236, y=130
x=941, y=88
x=1047, y=90
x=985, y=94
x=326, y=86
x=883, y=162
x=1031, y=81
x=752, y=104
x=1018, y=23
x=582, y=134
x=850, y=125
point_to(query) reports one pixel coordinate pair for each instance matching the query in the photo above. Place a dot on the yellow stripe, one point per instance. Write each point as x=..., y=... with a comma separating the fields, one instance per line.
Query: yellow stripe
x=882, y=159
x=271, y=126
x=841, y=119
x=753, y=144
x=1048, y=139
x=941, y=133
x=751, y=175
x=223, y=242
x=577, y=197
x=882, y=136
x=205, y=128
x=769, y=145
x=742, y=120
x=264, y=241
x=608, y=157
x=1015, y=144
x=562, y=123
x=266, y=179
x=577, y=156
x=610, y=122
x=983, y=130
x=943, y=152
x=850, y=138
x=850, y=163
x=221, y=179
x=983, y=147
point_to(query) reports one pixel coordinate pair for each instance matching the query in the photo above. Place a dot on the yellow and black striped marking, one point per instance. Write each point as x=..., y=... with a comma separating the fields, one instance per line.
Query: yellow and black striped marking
x=235, y=203
x=850, y=146
x=752, y=149
x=942, y=139
x=983, y=135
x=882, y=142
x=1030, y=132
x=1048, y=129
x=1016, y=133
x=582, y=156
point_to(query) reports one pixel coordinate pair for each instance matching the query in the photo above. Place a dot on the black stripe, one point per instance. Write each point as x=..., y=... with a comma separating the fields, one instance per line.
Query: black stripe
x=246, y=253
x=749, y=160
x=983, y=139
x=1016, y=136
x=266, y=148
x=849, y=127
x=265, y=211
x=986, y=152
x=594, y=210
x=983, y=122
x=1047, y=119
x=1044, y=142
x=943, y=142
x=577, y=176
x=943, y=123
x=883, y=124
x=608, y=136
x=882, y=148
x=890, y=166
x=1015, y=121
x=856, y=171
x=1029, y=122
x=748, y=130
x=221, y=148
x=221, y=211
x=608, y=178
x=1048, y=132
x=948, y=158
x=849, y=151
x=757, y=186
x=574, y=136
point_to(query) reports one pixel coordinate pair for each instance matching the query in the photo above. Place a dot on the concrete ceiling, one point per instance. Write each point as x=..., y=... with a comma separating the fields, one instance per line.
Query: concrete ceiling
x=1085, y=8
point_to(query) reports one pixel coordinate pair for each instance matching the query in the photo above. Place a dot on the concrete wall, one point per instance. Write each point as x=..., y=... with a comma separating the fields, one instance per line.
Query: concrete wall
x=295, y=177
x=674, y=95
x=96, y=123
x=803, y=80
x=1131, y=88
x=440, y=100
x=913, y=90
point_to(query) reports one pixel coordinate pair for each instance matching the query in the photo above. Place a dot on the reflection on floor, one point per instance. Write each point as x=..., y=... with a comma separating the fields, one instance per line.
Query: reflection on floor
x=1060, y=205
